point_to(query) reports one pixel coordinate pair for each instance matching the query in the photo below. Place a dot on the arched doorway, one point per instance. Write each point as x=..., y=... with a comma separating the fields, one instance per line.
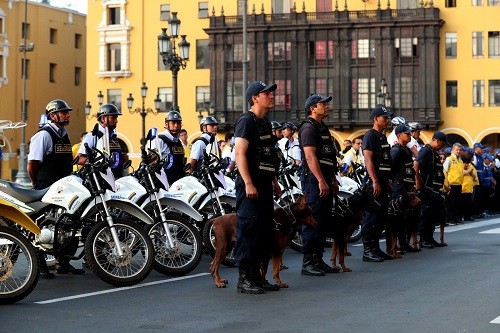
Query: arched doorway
x=456, y=138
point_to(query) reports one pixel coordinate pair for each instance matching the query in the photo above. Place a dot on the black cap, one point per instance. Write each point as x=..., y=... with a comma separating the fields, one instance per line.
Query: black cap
x=315, y=99
x=380, y=110
x=440, y=136
x=402, y=128
x=257, y=87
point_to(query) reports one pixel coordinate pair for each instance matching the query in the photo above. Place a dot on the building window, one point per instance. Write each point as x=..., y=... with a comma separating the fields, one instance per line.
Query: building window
x=451, y=44
x=282, y=95
x=493, y=2
x=78, y=41
x=53, y=36
x=477, y=44
x=202, y=9
x=2, y=28
x=78, y=76
x=361, y=48
x=450, y=3
x=164, y=12
x=25, y=30
x=113, y=15
x=323, y=6
x=408, y=4
x=406, y=47
x=281, y=6
x=494, y=92
x=403, y=92
x=321, y=86
x=478, y=93
x=115, y=97
x=279, y=51
x=494, y=44
x=166, y=97
x=363, y=93
x=25, y=68
x=202, y=54
x=52, y=72
x=451, y=93
x=234, y=93
x=321, y=52
x=477, y=2
x=202, y=98
x=234, y=53
x=114, y=58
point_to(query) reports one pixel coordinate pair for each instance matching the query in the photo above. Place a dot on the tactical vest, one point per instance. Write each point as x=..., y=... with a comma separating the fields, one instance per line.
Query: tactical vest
x=405, y=172
x=266, y=162
x=325, y=152
x=175, y=167
x=59, y=163
x=436, y=176
x=382, y=157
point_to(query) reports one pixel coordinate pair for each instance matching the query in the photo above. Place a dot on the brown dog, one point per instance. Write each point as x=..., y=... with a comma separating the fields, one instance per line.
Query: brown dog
x=286, y=222
x=348, y=215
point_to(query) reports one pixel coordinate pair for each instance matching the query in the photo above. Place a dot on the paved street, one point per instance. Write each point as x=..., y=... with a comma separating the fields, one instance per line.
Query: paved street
x=452, y=289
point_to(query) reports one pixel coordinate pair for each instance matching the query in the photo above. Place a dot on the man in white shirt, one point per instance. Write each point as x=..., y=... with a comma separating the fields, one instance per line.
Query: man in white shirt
x=289, y=144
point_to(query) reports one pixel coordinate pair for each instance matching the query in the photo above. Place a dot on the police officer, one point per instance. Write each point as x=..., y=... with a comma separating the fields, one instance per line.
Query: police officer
x=376, y=151
x=402, y=183
x=429, y=180
x=257, y=164
x=50, y=154
x=50, y=159
x=208, y=127
x=318, y=182
x=277, y=129
x=171, y=146
x=107, y=117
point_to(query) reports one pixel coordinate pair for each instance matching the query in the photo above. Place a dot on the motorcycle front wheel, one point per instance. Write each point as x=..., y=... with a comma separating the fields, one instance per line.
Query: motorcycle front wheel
x=186, y=253
x=101, y=253
x=18, y=266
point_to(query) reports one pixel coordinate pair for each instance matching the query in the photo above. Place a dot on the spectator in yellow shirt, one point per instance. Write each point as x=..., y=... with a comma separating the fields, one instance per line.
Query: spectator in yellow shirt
x=469, y=180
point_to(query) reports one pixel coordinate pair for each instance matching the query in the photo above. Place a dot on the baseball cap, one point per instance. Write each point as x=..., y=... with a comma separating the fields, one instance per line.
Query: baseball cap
x=315, y=99
x=478, y=144
x=440, y=136
x=402, y=128
x=257, y=87
x=485, y=156
x=380, y=110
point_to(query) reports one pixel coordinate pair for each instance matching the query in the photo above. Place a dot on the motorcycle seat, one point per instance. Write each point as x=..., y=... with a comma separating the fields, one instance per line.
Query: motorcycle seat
x=20, y=193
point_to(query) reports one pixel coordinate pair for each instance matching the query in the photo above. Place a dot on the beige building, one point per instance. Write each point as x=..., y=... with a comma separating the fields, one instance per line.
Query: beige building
x=55, y=69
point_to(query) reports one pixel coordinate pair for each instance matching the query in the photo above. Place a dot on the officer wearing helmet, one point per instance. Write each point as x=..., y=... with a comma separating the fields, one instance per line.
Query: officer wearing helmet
x=50, y=159
x=107, y=118
x=171, y=146
x=205, y=143
x=415, y=142
x=50, y=154
x=277, y=129
x=392, y=139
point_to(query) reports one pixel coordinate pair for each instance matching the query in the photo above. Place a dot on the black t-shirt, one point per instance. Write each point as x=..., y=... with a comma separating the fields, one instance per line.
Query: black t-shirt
x=425, y=159
x=373, y=141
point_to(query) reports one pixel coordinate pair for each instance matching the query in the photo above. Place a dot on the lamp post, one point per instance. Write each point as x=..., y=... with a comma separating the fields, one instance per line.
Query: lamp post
x=100, y=98
x=383, y=97
x=143, y=111
x=168, y=52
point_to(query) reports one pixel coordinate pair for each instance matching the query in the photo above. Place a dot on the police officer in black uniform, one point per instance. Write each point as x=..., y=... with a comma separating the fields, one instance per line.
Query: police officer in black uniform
x=107, y=117
x=171, y=146
x=50, y=154
x=257, y=163
x=50, y=159
x=429, y=180
x=319, y=184
x=402, y=182
x=376, y=151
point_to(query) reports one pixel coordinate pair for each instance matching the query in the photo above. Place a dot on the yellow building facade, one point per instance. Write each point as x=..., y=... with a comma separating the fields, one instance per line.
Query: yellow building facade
x=55, y=69
x=122, y=54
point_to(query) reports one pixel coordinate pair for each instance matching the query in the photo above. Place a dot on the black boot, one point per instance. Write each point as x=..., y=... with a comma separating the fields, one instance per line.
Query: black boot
x=311, y=267
x=376, y=248
x=368, y=254
x=323, y=265
x=262, y=282
x=43, y=269
x=246, y=283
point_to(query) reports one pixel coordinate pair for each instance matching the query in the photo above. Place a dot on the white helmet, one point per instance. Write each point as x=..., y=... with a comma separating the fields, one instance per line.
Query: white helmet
x=398, y=120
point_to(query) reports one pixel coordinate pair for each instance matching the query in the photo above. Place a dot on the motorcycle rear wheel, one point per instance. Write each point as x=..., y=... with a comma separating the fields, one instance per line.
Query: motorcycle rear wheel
x=18, y=266
x=138, y=253
x=187, y=251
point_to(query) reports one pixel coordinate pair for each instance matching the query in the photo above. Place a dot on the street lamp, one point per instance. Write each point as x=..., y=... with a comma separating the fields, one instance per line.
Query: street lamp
x=100, y=98
x=88, y=107
x=383, y=97
x=168, y=52
x=143, y=111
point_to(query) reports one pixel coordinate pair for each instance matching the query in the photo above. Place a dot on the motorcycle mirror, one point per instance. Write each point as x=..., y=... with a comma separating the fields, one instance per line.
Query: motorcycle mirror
x=152, y=133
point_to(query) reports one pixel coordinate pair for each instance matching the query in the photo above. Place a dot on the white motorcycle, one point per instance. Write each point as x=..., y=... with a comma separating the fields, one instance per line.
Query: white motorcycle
x=77, y=208
x=177, y=242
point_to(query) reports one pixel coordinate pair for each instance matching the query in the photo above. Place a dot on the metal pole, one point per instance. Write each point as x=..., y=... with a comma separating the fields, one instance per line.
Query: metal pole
x=22, y=174
x=143, y=115
x=245, y=60
x=174, y=86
